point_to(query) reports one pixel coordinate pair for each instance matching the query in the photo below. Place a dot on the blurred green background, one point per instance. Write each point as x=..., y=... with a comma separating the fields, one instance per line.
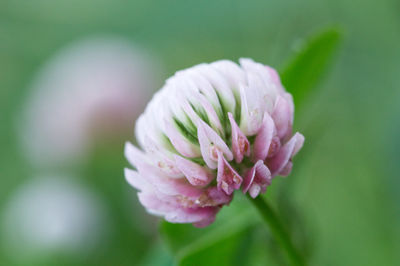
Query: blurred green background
x=345, y=184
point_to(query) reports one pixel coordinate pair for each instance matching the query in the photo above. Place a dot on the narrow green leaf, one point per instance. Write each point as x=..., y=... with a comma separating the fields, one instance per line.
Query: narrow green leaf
x=157, y=255
x=219, y=249
x=305, y=70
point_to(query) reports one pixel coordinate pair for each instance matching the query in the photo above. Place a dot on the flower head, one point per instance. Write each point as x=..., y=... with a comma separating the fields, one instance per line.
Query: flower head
x=212, y=129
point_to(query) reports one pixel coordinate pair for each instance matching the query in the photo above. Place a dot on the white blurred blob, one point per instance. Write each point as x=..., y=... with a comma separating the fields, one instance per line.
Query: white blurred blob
x=51, y=215
x=91, y=90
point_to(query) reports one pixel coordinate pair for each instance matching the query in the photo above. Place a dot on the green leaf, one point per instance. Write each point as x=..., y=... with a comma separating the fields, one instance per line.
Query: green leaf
x=157, y=255
x=224, y=251
x=304, y=71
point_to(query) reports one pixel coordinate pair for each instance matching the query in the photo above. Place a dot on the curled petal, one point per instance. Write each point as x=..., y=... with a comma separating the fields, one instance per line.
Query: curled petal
x=264, y=137
x=195, y=174
x=240, y=144
x=287, y=169
x=274, y=147
x=210, y=144
x=278, y=162
x=227, y=178
x=257, y=179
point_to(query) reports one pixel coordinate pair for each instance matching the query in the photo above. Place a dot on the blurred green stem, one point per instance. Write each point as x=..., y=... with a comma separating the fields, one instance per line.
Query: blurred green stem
x=277, y=229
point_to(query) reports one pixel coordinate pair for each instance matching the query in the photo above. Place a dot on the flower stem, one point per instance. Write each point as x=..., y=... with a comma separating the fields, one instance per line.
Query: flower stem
x=277, y=229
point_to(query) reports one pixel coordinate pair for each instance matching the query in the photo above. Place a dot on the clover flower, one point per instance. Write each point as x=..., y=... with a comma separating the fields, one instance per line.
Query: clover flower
x=211, y=130
x=86, y=93
x=50, y=214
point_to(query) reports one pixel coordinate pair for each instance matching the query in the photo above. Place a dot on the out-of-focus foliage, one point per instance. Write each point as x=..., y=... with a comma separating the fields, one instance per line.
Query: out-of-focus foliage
x=344, y=188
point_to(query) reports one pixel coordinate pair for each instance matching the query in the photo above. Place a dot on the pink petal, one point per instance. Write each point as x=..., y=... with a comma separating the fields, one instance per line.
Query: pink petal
x=257, y=179
x=220, y=84
x=282, y=116
x=251, y=114
x=135, y=156
x=154, y=205
x=274, y=147
x=211, y=114
x=160, y=158
x=180, y=143
x=172, y=210
x=261, y=71
x=264, y=137
x=227, y=178
x=135, y=179
x=274, y=75
x=203, y=85
x=240, y=144
x=157, y=177
x=211, y=197
x=277, y=163
x=233, y=74
x=167, y=185
x=214, y=197
x=138, y=159
x=210, y=144
x=207, y=221
x=195, y=174
x=202, y=216
x=175, y=213
x=287, y=169
x=299, y=143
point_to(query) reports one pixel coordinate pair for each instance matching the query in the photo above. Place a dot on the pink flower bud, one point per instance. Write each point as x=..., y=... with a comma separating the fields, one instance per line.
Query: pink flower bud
x=211, y=130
